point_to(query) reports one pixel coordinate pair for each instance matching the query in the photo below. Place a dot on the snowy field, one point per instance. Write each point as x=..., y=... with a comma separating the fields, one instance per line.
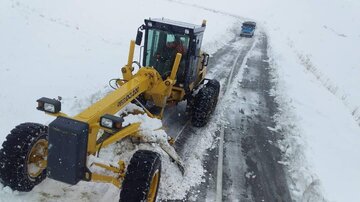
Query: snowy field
x=72, y=48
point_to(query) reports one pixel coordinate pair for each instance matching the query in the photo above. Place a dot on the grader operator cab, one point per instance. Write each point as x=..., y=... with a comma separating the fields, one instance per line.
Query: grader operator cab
x=164, y=38
x=173, y=69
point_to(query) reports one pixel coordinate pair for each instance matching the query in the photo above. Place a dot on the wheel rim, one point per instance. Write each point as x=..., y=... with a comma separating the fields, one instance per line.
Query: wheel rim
x=153, y=187
x=37, y=158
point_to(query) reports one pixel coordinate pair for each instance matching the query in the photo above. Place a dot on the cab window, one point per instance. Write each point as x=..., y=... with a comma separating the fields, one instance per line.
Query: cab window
x=161, y=49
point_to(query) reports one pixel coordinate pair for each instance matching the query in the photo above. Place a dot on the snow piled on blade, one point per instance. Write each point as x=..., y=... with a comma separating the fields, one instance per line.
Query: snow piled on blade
x=175, y=186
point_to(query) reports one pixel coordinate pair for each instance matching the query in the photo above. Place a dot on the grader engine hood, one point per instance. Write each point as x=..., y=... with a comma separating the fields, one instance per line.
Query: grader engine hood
x=67, y=150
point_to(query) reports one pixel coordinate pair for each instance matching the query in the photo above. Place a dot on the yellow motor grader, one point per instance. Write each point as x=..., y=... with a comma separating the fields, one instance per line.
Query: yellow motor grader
x=173, y=69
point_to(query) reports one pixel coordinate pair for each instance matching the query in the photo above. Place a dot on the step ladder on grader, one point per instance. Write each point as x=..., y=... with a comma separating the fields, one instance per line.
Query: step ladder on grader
x=173, y=69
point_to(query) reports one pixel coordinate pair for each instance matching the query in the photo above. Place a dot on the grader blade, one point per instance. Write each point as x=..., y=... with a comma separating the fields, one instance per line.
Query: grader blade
x=174, y=156
x=165, y=146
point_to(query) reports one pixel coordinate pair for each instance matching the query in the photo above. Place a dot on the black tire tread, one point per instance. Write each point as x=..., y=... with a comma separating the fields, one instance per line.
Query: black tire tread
x=205, y=103
x=13, y=171
x=138, y=176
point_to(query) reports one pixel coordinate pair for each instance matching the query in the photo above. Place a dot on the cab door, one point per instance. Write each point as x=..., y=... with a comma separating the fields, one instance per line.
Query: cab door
x=195, y=58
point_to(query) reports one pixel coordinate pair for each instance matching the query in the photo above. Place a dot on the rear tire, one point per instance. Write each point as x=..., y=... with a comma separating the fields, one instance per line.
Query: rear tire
x=14, y=156
x=205, y=103
x=142, y=177
x=214, y=84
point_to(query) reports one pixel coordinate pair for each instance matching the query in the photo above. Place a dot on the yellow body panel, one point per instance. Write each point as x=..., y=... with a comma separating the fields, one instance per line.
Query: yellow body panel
x=116, y=100
x=105, y=178
x=177, y=94
x=128, y=130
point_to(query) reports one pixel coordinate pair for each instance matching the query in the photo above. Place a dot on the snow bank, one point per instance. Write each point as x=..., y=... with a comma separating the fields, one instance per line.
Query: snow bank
x=321, y=137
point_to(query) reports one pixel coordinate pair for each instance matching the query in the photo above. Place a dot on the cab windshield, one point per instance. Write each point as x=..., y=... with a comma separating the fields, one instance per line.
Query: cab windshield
x=161, y=49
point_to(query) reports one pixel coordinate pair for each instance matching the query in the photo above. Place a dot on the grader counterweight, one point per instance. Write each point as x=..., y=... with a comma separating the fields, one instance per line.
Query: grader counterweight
x=173, y=69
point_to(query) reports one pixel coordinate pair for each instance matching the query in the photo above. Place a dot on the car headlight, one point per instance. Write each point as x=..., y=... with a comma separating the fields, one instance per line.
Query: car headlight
x=111, y=122
x=49, y=105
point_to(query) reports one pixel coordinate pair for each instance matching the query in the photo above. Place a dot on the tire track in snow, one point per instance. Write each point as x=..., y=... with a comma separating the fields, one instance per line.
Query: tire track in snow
x=219, y=175
x=265, y=176
x=235, y=68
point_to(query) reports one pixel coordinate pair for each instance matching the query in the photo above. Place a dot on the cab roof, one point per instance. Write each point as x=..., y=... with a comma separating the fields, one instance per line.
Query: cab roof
x=177, y=25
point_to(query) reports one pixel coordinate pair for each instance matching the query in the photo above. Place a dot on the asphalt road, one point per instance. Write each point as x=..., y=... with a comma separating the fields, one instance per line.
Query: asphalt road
x=244, y=165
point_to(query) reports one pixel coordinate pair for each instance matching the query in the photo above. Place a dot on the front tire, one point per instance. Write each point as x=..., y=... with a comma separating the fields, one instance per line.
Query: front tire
x=23, y=157
x=205, y=103
x=142, y=177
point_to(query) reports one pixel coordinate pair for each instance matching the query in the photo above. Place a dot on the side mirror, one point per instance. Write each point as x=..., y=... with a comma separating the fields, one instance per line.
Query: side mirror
x=139, y=36
x=205, y=60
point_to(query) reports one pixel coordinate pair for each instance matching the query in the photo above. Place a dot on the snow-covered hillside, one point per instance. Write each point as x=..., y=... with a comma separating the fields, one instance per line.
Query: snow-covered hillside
x=72, y=48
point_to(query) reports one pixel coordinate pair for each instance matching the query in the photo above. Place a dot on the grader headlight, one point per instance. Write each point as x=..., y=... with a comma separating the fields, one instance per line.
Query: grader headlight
x=49, y=105
x=111, y=122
